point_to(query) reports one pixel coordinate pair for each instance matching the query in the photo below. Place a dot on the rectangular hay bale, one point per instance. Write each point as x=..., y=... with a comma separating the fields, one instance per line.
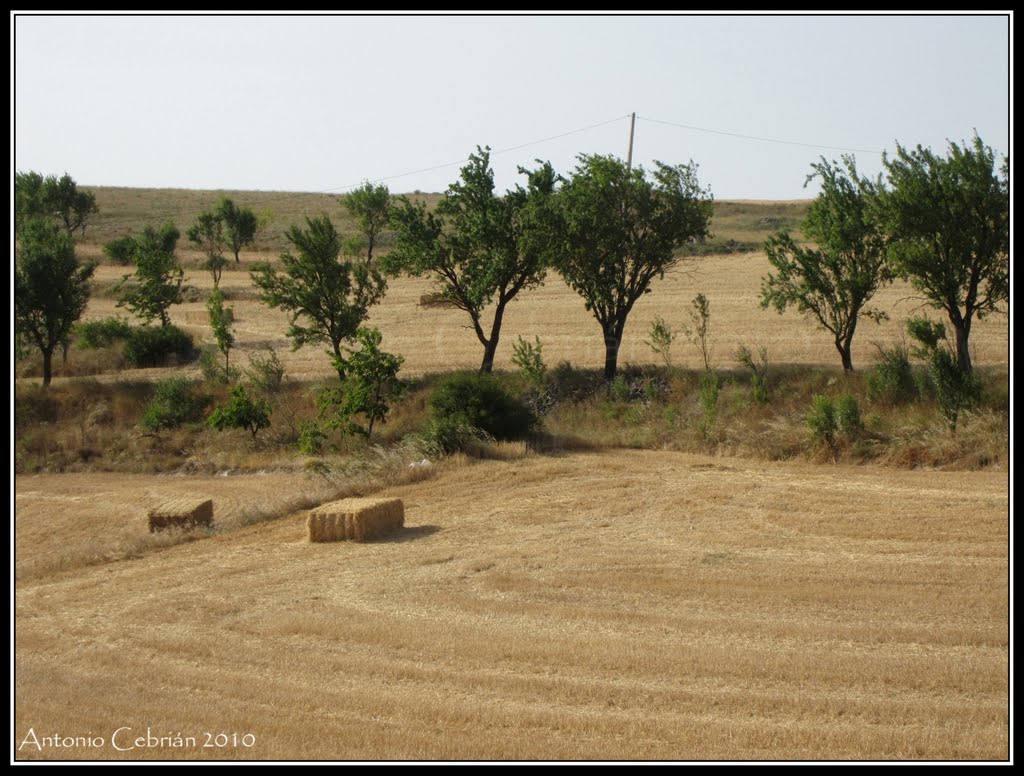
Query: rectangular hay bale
x=355, y=519
x=181, y=513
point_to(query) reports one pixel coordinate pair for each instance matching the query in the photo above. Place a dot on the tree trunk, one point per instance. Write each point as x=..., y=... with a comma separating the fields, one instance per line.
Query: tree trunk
x=491, y=346
x=963, y=353
x=488, y=363
x=843, y=346
x=611, y=354
x=47, y=366
x=237, y=260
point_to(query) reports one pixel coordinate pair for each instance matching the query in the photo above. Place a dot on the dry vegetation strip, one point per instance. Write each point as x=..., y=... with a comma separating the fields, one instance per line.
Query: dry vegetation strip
x=636, y=605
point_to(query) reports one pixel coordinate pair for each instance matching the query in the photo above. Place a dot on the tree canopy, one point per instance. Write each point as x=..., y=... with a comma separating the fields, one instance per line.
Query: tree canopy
x=949, y=218
x=371, y=207
x=157, y=281
x=52, y=197
x=51, y=289
x=240, y=225
x=328, y=298
x=832, y=282
x=618, y=230
x=481, y=248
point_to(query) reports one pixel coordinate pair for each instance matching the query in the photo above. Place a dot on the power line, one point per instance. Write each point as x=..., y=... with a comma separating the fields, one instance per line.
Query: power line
x=493, y=153
x=763, y=139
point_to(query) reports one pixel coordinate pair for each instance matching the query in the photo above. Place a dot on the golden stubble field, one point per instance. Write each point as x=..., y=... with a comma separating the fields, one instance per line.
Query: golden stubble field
x=438, y=339
x=622, y=605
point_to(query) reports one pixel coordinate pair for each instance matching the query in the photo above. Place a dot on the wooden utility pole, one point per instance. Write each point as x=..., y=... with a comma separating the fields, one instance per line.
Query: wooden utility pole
x=629, y=154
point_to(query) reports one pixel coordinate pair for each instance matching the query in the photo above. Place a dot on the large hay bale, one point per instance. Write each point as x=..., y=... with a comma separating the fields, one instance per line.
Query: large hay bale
x=181, y=513
x=356, y=519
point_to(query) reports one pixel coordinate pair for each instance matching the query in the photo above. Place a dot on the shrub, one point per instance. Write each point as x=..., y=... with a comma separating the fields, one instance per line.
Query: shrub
x=101, y=333
x=618, y=389
x=891, y=380
x=528, y=358
x=480, y=402
x=213, y=370
x=758, y=371
x=311, y=437
x=242, y=412
x=661, y=337
x=708, y=394
x=956, y=389
x=265, y=372
x=152, y=346
x=174, y=403
x=700, y=317
x=834, y=422
x=445, y=436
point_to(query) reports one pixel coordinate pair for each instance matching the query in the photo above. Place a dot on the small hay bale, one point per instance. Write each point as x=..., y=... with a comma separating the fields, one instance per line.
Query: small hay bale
x=436, y=300
x=181, y=513
x=355, y=519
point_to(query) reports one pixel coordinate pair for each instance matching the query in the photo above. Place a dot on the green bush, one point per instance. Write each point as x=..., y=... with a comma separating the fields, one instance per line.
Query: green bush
x=101, y=333
x=174, y=404
x=708, y=395
x=265, y=372
x=955, y=388
x=152, y=346
x=529, y=359
x=480, y=402
x=758, y=369
x=212, y=367
x=891, y=380
x=835, y=422
x=444, y=436
x=242, y=412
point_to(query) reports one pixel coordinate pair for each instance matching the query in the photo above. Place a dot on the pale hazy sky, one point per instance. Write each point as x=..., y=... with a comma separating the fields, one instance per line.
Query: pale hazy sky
x=320, y=103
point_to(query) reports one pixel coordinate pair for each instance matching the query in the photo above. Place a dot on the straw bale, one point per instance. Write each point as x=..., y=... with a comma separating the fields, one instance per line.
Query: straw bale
x=184, y=512
x=355, y=519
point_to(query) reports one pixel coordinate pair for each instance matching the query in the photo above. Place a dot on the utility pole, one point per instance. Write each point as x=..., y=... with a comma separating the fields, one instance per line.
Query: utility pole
x=629, y=154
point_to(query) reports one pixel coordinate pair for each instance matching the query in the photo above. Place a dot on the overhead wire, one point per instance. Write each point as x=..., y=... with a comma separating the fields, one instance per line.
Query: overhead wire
x=756, y=137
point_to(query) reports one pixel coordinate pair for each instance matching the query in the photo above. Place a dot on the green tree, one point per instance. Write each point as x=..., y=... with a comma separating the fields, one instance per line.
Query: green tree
x=73, y=208
x=371, y=207
x=327, y=298
x=51, y=197
x=220, y=323
x=618, y=231
x=241, y=412
x=480, y=248
x=29, y=200
x=51, y=289
x=949, y=218
x=833, y=282
x=240, y=225
x=371, y=385
x=158, y=277
x=207, y=234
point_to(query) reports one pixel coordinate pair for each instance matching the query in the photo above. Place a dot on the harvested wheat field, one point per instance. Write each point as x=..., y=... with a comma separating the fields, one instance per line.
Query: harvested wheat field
x=437, y=339
x=635, y=605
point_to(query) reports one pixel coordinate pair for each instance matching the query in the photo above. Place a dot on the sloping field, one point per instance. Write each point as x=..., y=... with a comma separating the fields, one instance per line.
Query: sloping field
x=438, y=339
x=635, y=605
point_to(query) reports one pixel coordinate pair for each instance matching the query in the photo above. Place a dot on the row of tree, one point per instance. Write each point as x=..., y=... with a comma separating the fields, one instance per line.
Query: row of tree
x=940, y=222
x=608, y=229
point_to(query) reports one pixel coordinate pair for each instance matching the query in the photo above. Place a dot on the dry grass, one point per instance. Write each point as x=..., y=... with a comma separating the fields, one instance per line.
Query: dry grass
x=181, y=512
x=640, y=605
x=436, y=339
x=356, y=519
